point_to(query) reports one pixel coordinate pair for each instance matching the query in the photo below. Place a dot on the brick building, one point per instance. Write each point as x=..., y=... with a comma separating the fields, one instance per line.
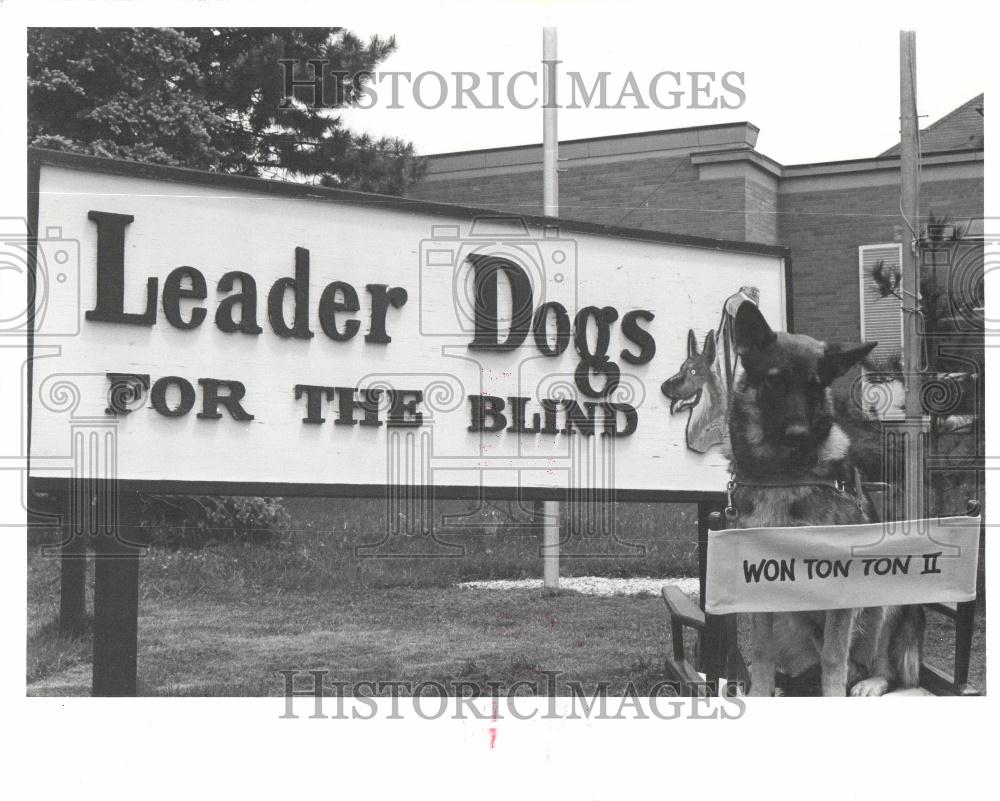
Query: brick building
x=838, y=218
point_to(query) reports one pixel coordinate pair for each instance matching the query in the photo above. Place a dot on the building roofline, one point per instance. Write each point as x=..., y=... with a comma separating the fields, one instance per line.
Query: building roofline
x=879, y=163
x=592, y=139
x=137, y=169
x=940, y=121
x=882, y=157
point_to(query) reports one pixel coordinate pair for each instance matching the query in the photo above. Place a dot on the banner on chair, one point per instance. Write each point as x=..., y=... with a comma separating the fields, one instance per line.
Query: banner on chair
x=842, y=567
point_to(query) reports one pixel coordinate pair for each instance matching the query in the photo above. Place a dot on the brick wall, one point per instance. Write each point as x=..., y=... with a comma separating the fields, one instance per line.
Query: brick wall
x=761, y=216
x=824, y=230
x=660, y=194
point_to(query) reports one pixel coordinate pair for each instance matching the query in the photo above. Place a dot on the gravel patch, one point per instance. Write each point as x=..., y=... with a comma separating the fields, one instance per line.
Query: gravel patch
x=592, y=585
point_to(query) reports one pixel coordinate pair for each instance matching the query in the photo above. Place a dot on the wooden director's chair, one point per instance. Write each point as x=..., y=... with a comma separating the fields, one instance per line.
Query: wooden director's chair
x=718, y=665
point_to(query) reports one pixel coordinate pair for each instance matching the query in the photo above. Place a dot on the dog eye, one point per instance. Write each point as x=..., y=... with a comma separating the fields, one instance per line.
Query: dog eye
x=693, y=371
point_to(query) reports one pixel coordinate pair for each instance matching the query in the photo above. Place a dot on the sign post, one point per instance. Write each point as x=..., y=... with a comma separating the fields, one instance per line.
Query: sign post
x=116, y=598
x=550, y=187
x=72, y=567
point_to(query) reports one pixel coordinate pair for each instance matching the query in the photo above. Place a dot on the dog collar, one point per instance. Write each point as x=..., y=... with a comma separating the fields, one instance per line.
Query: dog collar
x=790, y=480
x=782, y=481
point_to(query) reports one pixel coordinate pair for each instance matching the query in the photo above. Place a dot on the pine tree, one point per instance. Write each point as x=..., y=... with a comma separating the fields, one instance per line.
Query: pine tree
x=210, y=98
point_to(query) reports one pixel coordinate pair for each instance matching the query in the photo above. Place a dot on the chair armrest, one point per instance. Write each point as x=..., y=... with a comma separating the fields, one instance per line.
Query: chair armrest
x=683, y=609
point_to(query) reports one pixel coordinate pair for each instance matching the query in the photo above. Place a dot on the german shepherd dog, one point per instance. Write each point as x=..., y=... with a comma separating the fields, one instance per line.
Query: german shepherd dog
x=793, y=467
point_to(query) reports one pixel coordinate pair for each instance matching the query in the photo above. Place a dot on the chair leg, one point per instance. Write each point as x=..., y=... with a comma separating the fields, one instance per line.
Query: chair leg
x=712, y=644
x=965, y=618
x=713, y=650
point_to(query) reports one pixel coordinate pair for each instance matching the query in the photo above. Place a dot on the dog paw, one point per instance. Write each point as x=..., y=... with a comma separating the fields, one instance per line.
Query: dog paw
x=870, y=688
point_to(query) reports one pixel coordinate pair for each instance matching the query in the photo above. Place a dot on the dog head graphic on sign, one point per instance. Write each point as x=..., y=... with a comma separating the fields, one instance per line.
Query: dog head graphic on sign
x=706, y=376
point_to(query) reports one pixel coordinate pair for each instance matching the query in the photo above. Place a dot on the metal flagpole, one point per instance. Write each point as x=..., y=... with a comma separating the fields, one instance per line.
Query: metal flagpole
x=550, y=200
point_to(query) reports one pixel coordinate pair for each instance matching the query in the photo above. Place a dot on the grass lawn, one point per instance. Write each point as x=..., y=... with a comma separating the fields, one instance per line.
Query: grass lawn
x=225, y=620
x=207, y=645
x=226, y=643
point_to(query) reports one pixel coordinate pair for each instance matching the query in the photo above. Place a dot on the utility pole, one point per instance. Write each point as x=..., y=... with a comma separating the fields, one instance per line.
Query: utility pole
x=909, y=164
x=550, y=203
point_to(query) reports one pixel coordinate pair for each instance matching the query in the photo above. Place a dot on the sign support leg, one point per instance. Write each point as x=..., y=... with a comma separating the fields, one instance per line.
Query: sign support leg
x=550, y=202
x=72, y=569
x=550, y=544
x=116, y=604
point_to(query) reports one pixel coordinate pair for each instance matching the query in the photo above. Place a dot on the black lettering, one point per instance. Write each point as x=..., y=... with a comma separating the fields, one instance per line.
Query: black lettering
x=769, y=570
x=125, y=392
x=487, y=315
x=347, y=403
x=517, y=415
x=611, y=411
x=314, y=401
x=211, y=399
x=246, y=299
x=595, y=360
x=158, y=396
x=110, y=307
x=300, y=288
x=752, y=572
x=487, y=407
x=174, y=292
x=382, y=298
x=551, y=410
x=576, y=419
x=403, y=408
x=540, y=327
x=329, y=306
x=640, y=336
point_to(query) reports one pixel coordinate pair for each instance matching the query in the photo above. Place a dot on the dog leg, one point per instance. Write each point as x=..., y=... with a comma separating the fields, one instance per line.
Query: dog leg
x=874, y=646
x=763, y=666
x=836, y=651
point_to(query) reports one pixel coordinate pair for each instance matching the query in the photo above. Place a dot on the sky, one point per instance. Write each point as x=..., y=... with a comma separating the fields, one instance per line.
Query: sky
x=821, y=85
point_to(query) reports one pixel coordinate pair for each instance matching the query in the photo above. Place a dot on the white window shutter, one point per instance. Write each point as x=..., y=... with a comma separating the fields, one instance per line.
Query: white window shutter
x=881, y=318
x=881, y=321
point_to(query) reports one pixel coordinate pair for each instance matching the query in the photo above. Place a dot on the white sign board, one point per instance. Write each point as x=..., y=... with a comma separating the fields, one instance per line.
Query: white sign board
x=229, y=330
x=842, y=567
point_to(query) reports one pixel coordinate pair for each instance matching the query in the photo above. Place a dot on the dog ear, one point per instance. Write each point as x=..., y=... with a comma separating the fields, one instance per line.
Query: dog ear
x=692, y=344
x=838, y=358
x=752, y=333
x=709, y=349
